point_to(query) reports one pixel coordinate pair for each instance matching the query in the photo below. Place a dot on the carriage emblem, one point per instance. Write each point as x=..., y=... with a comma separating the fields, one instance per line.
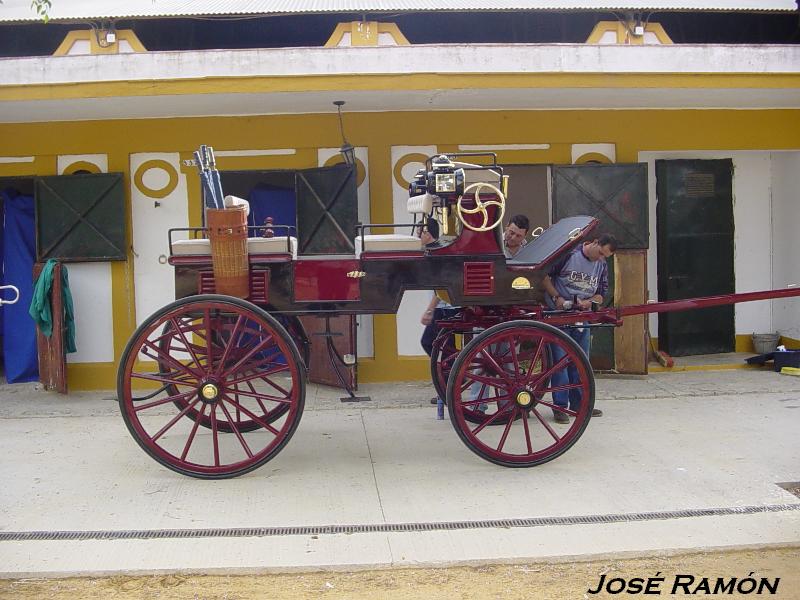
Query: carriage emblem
x=521, y=283
x=356, y=274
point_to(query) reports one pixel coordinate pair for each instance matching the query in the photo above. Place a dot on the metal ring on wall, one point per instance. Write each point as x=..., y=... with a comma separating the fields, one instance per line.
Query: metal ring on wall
x=138, y=178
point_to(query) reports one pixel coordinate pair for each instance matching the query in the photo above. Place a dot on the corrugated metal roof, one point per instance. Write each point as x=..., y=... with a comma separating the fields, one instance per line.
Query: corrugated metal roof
x=20, y=10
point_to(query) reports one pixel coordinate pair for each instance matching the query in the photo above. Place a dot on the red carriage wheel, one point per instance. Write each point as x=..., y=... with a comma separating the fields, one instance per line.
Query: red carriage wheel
x=507, y=368
x=214, y=361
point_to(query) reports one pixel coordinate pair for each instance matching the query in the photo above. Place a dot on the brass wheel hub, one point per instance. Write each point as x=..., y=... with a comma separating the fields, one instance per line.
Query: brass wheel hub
x=209, y=392
x=524, y=398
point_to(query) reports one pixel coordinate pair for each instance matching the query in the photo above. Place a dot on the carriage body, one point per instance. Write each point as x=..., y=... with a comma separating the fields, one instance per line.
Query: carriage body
x=213, y=385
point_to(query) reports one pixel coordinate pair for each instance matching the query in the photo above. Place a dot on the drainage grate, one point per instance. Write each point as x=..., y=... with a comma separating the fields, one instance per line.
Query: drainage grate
x=151, y=534
x=793, y=487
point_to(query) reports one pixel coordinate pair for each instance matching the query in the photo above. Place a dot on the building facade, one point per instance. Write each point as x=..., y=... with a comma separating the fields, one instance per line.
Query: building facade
x=108, y=98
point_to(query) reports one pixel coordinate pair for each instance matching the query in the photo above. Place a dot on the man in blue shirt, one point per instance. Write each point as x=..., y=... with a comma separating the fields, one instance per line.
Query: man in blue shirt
x=581, y=278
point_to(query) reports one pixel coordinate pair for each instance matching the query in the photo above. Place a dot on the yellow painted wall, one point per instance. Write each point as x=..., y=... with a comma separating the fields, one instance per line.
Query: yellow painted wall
x=631, y=131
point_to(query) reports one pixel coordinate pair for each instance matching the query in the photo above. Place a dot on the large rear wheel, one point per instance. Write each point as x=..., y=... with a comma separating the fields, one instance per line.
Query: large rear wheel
x=214, y=361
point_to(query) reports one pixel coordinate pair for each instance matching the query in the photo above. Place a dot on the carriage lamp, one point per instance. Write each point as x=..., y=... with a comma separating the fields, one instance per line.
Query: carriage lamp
x=445, y=182
x=450, y=183
x=347, y=150
x=349, y=153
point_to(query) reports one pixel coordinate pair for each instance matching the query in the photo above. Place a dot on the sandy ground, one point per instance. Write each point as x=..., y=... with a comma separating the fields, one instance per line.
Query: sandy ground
x=551, y=581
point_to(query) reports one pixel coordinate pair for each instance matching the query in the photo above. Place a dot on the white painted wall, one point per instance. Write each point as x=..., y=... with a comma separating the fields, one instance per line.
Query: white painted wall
x=753, y=236
x=786, y=241
x=409, y=328
x=154, y=279
x=90, y=286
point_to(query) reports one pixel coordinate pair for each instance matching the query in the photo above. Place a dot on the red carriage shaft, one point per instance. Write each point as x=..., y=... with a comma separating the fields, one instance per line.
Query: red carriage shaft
x=616, y=314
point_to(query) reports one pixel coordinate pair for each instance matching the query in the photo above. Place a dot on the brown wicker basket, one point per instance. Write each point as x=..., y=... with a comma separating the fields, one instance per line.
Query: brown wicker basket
x=227, y=231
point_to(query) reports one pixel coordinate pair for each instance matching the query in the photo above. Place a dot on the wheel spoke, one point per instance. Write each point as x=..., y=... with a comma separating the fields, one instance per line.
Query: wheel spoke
x=160, y=378
x=527, y=433
x=215, y=434
x=250, y=353
x=546, y=425
x=254, y=417
x=174, y=420
x=176, y=364
x=507, y=428
x=193, y=432
x=536, y=356
x=185, y=342
x=234, y=337
x=167, y=400
x=259, y=396
x=487, y=379
x=236, y=430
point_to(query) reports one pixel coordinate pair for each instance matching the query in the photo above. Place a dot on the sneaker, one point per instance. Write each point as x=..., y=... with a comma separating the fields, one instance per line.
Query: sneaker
x=560, y=417
x=596, y=412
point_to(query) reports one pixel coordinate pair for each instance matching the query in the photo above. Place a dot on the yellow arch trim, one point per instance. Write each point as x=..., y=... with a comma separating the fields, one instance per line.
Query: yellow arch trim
x=87, y=35
x=138, y=178
x=81, y=165
x=623, y=36
x=357, y=37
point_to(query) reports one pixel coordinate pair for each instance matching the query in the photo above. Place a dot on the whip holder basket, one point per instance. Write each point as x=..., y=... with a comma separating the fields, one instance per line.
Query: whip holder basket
x=227, y=232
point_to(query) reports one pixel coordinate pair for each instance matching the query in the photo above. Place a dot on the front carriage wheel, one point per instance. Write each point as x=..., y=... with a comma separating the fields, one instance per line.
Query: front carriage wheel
x=219, y=362
x=507, y=370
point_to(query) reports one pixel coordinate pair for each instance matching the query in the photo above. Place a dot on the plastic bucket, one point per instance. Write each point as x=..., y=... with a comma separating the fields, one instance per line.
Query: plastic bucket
x=763, y=343
x=227, y=232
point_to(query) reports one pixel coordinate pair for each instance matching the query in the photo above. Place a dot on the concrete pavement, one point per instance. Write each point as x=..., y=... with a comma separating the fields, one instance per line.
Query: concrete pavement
x=679, y=461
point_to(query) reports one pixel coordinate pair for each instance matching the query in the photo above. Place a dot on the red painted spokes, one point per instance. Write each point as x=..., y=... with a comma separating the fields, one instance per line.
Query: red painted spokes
x=219, y=363
x=505, y=372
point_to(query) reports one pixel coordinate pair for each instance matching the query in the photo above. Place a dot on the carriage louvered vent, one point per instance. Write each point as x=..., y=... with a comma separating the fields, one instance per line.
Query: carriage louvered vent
x=205, y=283
x=478, y=278
x=259, y=286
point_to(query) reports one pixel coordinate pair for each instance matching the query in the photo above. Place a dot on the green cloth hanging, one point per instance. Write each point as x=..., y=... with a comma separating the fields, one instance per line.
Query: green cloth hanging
x=40, y=304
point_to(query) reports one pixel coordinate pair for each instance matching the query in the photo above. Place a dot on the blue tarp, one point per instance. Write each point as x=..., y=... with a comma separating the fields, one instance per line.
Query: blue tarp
x=19, y=330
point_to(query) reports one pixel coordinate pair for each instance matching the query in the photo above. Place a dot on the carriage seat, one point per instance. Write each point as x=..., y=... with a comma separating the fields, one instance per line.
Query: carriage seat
x=397, y=242
x=255, y=245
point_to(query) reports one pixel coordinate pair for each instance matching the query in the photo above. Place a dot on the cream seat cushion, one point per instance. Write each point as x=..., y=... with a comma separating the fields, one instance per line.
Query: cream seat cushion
x=389, y=242
x=255, y=245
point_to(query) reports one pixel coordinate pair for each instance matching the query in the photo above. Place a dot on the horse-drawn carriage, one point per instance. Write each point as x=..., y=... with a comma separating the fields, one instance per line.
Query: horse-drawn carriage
x=213, y=385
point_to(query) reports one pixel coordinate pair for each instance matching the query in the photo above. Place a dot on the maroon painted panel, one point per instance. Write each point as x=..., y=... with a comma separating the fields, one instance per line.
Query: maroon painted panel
x=326, y=280
x=320, y=369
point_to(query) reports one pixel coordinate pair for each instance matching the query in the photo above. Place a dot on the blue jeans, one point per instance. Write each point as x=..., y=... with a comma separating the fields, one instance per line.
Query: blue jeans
x=569, y=374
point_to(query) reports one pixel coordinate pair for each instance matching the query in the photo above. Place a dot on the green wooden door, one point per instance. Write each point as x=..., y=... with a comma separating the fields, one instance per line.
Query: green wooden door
x=327, y=210
x=81, y=217
x=695, y=253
